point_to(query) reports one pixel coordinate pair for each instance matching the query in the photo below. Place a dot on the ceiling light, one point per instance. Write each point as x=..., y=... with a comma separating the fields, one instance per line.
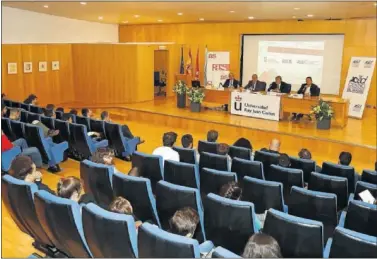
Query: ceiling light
x=159, y=20
x=45, y=6
x=201, y=19
x=124, y=21
x=83, y=3
x=375, y=4
x=294, y=17
x=100, y=18
x=231, y=11
x=310, y=15
x=180, y=13
x=296, y=8
x=250, y=17
x=136, y=16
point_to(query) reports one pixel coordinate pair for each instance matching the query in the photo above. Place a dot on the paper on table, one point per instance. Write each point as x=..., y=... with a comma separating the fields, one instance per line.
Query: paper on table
x=366, y=196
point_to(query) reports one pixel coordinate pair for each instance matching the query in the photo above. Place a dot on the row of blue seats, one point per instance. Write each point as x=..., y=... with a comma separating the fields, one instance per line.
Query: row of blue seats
x=26, y=107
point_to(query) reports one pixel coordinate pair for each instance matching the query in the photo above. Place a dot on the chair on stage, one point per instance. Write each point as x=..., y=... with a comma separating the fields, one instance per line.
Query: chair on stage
x=182, y=174
x=212, y=180
x=243, y=167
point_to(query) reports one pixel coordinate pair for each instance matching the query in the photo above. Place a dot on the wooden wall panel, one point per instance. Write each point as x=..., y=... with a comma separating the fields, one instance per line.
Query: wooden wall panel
x=360, y=39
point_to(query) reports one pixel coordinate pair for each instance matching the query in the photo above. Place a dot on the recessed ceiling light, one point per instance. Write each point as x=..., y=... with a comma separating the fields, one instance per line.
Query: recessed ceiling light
x=231, y=11
x=160, y=20
x=45, y=6
x=83, y=3
x=250, y=17
x=201, y=19
x=294, y=17
x=375, y=4
x=310, y=15
x=124, y=21
x=180, y=13
x=136, y=16
x=100, y=18
x=296, y=8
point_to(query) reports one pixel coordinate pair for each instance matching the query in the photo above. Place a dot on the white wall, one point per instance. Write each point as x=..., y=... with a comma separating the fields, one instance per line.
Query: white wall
x=20, y=26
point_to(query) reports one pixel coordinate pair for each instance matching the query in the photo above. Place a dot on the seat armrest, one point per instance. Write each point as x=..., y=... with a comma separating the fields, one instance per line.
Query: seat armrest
x=326, y=251
x=342, y=219
x=351, y=197
x=285, y=208
x=206, y=247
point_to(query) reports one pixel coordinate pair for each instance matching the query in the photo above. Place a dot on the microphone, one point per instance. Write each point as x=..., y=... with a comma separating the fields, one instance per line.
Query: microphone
x=220, y=85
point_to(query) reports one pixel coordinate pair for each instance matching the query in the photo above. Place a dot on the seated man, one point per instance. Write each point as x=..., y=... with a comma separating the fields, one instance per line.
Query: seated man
x=274, y=147
x=255, y=85
x=46, y=131
x=212, y=136
x=15, y=114
x=73, y=111
x=231, y=82
x=279, y=86
x=223, y=149
x=305, y=154
x=166, y=151
x=307, y=89
x=123, y=206
x=184, y=222
x=71, y=188
x=262, y=246
x=284, y=160
x=85, y=112
x=345, y=158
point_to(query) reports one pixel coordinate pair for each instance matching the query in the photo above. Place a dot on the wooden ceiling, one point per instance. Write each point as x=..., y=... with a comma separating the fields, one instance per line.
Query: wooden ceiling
x=200, y=11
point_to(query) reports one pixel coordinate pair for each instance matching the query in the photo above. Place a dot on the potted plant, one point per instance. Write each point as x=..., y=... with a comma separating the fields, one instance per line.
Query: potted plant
x=180, y=88
x=323, y=113
x=196, y=96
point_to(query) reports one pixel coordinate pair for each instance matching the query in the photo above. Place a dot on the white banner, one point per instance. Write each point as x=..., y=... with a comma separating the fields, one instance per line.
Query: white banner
x=255, y=105
x=357, y=84
x=217, y=70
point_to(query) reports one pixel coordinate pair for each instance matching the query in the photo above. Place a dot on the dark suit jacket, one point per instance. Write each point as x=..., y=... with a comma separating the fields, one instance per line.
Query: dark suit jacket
x=235, y=83
x=259, y=86
x=284, y=87
x=314, y=90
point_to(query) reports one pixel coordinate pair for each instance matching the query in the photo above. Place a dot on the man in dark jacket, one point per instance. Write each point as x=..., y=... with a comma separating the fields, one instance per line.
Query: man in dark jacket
x=279, y=86
x=307, y=89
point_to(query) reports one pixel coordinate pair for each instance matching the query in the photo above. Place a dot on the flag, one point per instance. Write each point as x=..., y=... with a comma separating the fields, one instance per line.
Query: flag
x=188, y=64
x=197, y=65
x=205, y=66
x=182, y=66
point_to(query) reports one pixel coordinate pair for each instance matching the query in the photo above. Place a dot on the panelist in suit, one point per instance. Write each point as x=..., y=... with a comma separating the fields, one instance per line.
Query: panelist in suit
x=255, y=85
x=279, y=86
x=231, y=82
x=307, y=89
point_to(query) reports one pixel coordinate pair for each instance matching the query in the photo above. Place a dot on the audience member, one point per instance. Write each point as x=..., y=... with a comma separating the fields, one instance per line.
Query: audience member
x=103, y=155
x=15, y=114
x=123, y=206
x=3, y=109
x=85, y=112
x=31, y=99
x=166, y=151
x=60, y=109
x=46, y=131
x=135, y=171
x=345, y=158
x=187, y=141
x=223, y=149
x=274, y=146
x=261, y=245
x=212, y=136
x=71, y=188
x=305, y=154
x=243, y=142
x=68, y=117
x=50, y=113
x=50, y=106
x=231, y=190
x=23, y=168
x=73, y=111
x=284, y=160
x=184, y=222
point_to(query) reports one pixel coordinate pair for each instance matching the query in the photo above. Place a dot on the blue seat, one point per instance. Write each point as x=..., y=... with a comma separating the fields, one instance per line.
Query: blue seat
x=157, y=243
x=123, y=146
x=16, y=104
x=362, y=186
x=48, y=122
x=342, y=171
x=288, y=177
x=267, y=159
x=150, y=166
x=52, y=154
x=61, y=219
x=17, y=129
x=64, y=133
x=205, y=146
x=181, y=173
x=213, y=161
x=240, y=152
x=98, y=126
x=350, y=244
x=306, y=165
x=59, y=115
x=7, y=129
x=297, y=237
x=171, y=197
x=244, y=168
x=263, y=194
x=331, y=184
x=35, y=109
x=7, y=103
x=360, y=217
x=18, y=198
x=320, y=206
x=369, y=176
x=83, y=121
x=221, y=252
x=24, y=116
x=108, y=234
x=186, y=155
x=212, y=180
x=7, y=158
x=97, y=180
x=138, y=191
x=25, y=106
x=229, y=223
x=33, y=117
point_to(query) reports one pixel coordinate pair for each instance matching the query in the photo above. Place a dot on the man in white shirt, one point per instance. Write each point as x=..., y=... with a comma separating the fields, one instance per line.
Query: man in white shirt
x=166, y=151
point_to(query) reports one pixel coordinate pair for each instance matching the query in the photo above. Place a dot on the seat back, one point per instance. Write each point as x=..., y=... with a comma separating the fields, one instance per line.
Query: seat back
x=154, y=242
x=342, y=171
x=64, y=134
x=221, y=252
x=8, y=103
x=181, y=173
x=263, y=194
x=243, y=167
x=35, y=138
x=186, y=155
x=267, y=159
x=97, y=180
x=36, y=109
x=97, y=126
x=361, y=217
x=240, y=152
x=171, y=197
x=59, y=115
x=114, y=135
x=48, y=122
x=213, y=161
x=362, y=186
x=229, y=223
x=33, y=116
x=17, y=129
x=350, y=244
x=24, y=116
x=212, y=180
x=7, y=129
x=15, y=104
x=138, y=191
x=369, y=176
x=80, y=141
x=25, y=106
x=61, y=219
x=205, y=146
x=306, y=165
x=109, y=235
x=150, y=166
x=297, y=237
x=83, y=121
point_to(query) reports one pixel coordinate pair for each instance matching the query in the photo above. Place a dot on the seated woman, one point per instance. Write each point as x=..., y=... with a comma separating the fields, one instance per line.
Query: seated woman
x=71, y=188
x=262, y=246
x=31, y=99
x=123, y=206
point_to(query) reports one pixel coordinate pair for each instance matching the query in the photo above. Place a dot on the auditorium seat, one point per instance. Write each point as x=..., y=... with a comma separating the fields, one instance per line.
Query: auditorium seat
x=213, y=161
x=154, y=242
x=64, y=134
x=52, y=154
x=369, y=176
x=98, y=126
x=263, y=194
x=288, y=177
x=7, y=129
x=33, y=117
x=150, y=166
x=171, y=197
x=221, y=252
x=48, y=122
x=362, y=186
x=25, y=106
x=229, y=223
x=186, y=155
x=138, y=191
x=17, y=129
x=16, y=104
x=361, y=217
x=18, y=198
x=36, y=109
x=306, y=165
x=320, y=206
x=342, y=171
x=267, y=159
x=350, y=244
x=83, y=121
x=243, y=167
x=61, y=220
x=59, y=115
x=7, y=158
x=108, y=234
x=7, y=103
x=331, y=184
x=205, y=146
x=122, y=146
x=181, y=173
x=212, y=180
x=97, y=180
x=24, y=116
x=240, y=152
x=297, y=237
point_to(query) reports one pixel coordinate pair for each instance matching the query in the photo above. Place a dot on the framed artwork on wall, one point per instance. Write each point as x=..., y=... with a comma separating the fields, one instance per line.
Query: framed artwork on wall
x=12, y=68
x=28, y=67
x=42, y=66
x=55, y=65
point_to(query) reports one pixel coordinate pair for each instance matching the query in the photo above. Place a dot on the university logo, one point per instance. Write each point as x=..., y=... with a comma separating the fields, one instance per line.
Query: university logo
x=357, y=107
x=237, y=103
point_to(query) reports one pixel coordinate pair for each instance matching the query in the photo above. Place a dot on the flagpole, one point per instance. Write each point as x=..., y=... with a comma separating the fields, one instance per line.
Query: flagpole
x=205, y=66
